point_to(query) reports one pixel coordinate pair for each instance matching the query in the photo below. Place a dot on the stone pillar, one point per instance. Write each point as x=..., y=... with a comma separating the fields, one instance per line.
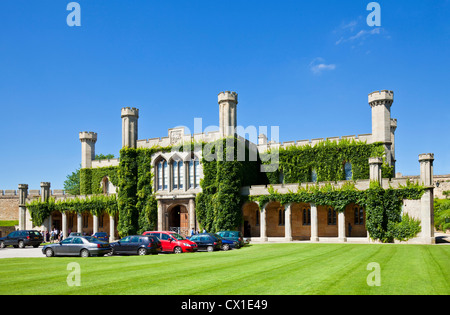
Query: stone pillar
x=79, y=222
x=287, y=222
x=262, y=225
x=227, y=113
x=341, y=227
x=160, y=216
x=23, y=193
x=381, y=102
x=64, y=224
x=112, y=230
x=130, y=116
x=393, y=128
x=314, y=224
x=375, y=169
x=191, y=214
x=427, y=200
x=45, y=191
x=88, y=140
x=94, y=224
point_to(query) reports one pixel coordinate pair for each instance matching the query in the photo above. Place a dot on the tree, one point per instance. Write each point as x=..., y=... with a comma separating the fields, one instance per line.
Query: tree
x=72, y=183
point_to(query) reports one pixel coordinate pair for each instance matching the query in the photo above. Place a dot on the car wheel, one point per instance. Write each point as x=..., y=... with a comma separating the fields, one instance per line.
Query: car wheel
x=21, y=244
x=177, y=250
x=225, y=246
x=49, y=252
x=142, y=251
x=84, y=253
x=210, y=248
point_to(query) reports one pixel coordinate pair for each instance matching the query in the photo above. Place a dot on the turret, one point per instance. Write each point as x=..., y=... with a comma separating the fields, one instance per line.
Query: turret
x=88, y=140
x=227, y=113
x=381, y=102
x=130, y=117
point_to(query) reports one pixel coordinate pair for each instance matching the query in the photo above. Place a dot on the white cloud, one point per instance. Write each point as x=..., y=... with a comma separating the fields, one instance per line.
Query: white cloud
x=318, y=65
x=361, y=35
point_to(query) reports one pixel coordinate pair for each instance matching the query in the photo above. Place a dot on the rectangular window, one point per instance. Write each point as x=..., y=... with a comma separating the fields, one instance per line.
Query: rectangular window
x=175, y=175
x=191, y=174
x=165, y=176
x=181, y=177
x=197, y=174
x=160, y=176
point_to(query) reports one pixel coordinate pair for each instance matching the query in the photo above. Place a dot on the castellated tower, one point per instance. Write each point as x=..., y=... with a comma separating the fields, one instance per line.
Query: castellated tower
x=383, y=127
x=88, y=140
x=227, y=113
x=130, y=117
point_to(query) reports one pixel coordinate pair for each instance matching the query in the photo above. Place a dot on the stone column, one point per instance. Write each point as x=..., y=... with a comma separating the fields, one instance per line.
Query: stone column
x=79, y=222
x=287, y=222
x=427, y=200
x=375, y=169
x=314, y=224
x=88, y=140
x=341, y=227
x=112, y=230
x=94, y=224
x=262, y=225
x=130, y=116
x=64, y=224
x=45, y=191
x=191, y=214
x=23, y=193
x=160, y=216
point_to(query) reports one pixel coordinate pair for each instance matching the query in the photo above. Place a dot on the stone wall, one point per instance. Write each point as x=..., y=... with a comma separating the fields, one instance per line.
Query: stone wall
x=9, y=206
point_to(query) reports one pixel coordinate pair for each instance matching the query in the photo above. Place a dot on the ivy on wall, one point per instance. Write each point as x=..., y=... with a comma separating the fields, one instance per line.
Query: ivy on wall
x=91, y=178
x=327, y=159
x=218, y=206
x=96, y=205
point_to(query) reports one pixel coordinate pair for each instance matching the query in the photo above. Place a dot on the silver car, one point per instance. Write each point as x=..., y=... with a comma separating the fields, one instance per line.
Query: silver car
x=83, y=246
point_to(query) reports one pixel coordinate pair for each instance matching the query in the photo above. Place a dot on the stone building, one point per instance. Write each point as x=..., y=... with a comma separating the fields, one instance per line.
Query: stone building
x=177, y=176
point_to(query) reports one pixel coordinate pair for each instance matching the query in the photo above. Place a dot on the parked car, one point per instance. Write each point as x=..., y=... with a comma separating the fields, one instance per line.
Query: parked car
x=233, y=236
x=102, y=236
x=136, y=245
x=227, y=244
x=83, y=246
x=207, y=241
x=172, y=242
x=22, y=238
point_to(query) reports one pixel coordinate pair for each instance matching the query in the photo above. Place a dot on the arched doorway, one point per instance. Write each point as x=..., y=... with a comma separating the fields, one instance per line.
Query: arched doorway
x=179, y=220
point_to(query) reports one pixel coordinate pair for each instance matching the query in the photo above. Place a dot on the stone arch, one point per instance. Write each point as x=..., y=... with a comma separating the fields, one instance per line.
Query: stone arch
x=178, y=218
x=251, y=216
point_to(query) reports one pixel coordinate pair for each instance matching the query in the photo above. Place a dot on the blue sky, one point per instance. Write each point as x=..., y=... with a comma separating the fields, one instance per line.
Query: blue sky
x=306, y=66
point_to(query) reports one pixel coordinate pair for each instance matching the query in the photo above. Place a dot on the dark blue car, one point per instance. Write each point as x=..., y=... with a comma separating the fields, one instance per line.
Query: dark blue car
x=102, y=236
x=227, y=244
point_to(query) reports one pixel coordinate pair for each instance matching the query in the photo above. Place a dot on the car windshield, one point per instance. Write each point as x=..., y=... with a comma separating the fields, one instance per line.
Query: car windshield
x=217, y=236
x=101, y=234
x=177, y=236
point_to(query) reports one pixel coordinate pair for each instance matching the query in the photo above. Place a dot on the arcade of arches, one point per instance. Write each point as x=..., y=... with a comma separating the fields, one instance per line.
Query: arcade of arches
x=302, y=221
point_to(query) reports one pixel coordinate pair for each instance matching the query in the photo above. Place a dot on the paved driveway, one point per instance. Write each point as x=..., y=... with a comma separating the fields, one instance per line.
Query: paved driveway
x=11, y=252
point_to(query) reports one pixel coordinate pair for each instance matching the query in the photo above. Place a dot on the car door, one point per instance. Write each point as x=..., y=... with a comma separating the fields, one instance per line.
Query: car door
x=76, y=246
x=165, y=243
x=9, y=240
x=120, y=248
x=133, y=245
x=63, y=248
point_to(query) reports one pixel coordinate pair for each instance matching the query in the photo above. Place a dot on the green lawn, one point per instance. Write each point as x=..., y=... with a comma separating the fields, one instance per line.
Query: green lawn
x=257, y=269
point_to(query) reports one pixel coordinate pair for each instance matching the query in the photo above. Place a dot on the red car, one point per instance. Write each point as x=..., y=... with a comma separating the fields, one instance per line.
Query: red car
x=172, y=242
